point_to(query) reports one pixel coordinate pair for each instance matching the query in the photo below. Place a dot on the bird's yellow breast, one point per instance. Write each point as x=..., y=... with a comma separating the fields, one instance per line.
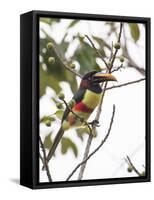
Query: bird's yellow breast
x=91, y=99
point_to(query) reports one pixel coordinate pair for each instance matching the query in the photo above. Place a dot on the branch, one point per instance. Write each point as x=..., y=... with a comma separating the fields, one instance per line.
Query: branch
x=100, y=145
x=44, y=161
x=117, y=68
x=119, y=38
x=97, y=51
x=111, y=55
x=133, y=167
x=89, y=141
x=87, y=149
x=125, y=84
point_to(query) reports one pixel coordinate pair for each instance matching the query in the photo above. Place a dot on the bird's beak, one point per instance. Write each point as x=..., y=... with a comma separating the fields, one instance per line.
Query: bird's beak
x=101, y=77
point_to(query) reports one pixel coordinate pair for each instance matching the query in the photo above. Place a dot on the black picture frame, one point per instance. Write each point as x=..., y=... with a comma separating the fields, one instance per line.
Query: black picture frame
x=29, y=99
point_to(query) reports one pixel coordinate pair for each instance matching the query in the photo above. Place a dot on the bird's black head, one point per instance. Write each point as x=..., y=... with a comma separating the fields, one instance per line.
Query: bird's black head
x=93, y=78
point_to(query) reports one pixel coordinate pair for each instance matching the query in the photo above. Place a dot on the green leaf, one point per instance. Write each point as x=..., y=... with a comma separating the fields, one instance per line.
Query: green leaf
x=48, y=142
x=82, y=131
x=74, y=22
x=59, y=113
x=49, y=20
x=48, y=80
x=45, y=118
x=134, y=30
x=67, y=144
x=101, y=44
x=86, y=56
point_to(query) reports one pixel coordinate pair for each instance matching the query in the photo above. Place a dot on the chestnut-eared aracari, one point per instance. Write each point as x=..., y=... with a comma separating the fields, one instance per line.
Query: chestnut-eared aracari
x=86, y=100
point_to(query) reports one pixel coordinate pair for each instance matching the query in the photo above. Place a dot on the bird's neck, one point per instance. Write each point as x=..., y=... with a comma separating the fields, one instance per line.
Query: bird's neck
x=95, y=88
x=85, y=85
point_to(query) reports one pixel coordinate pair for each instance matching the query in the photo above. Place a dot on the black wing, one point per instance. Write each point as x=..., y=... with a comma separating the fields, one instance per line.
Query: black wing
x=77, y=97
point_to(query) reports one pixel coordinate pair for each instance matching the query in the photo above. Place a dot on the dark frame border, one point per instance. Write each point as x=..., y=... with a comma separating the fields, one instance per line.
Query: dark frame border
x=29, y=133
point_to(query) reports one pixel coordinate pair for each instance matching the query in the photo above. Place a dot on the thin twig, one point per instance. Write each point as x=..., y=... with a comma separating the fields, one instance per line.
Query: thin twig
x=100, y=145
x=119, y=38
x=125, y=84
x=133, y=167
x=65, y=64
x=44, y=160
x=111, y=55
x=97, y=51
x=41, y=158
x=117, y=68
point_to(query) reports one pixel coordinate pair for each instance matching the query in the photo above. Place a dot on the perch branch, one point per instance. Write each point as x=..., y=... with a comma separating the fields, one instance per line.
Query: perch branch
x=100, y=145
x=44, y=161
x=89, y=141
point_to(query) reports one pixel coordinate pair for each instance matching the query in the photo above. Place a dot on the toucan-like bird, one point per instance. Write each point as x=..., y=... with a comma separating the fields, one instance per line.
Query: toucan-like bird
x=86, y=100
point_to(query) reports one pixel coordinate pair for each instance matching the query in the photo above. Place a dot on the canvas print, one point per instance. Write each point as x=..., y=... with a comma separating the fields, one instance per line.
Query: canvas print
x=92, y=100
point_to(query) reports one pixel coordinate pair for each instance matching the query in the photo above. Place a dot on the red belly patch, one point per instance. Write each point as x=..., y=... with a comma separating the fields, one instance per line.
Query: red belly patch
x=82, y=107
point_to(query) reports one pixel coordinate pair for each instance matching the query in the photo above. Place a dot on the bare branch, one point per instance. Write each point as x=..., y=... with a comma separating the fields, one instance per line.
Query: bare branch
x=111, y=55
x=83, y=164
x=125, y=84
x=117, y=68
x=89, y=141
x=44, y=160
x=119, y=38
x=97, y=51
x=100, y=145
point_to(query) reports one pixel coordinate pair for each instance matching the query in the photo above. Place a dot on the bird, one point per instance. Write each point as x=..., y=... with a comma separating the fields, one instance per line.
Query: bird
x=86, y=99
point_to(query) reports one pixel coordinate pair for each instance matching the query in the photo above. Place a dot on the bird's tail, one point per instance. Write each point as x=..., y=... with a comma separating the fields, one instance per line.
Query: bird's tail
x=55, y=144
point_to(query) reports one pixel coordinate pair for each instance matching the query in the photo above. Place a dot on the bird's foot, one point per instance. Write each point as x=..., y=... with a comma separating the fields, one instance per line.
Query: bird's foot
x=95, y=123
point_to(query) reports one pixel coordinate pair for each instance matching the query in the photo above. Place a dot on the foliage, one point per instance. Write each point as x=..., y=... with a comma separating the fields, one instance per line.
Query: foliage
x=67, y=143
x=134, y=30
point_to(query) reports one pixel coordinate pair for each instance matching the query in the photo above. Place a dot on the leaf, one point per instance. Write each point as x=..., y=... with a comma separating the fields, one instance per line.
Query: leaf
x=48, y=80
x=49, y=20
x=67, y=144
x=134, y=30
x=74, y=22
x=82, y=131
x=59, y=113
x=86, y=56
x=45, y=118
x=102, y=44
x=48, y=142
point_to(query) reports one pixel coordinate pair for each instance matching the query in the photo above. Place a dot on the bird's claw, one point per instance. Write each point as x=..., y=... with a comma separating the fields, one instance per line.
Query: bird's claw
x=95, y=123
